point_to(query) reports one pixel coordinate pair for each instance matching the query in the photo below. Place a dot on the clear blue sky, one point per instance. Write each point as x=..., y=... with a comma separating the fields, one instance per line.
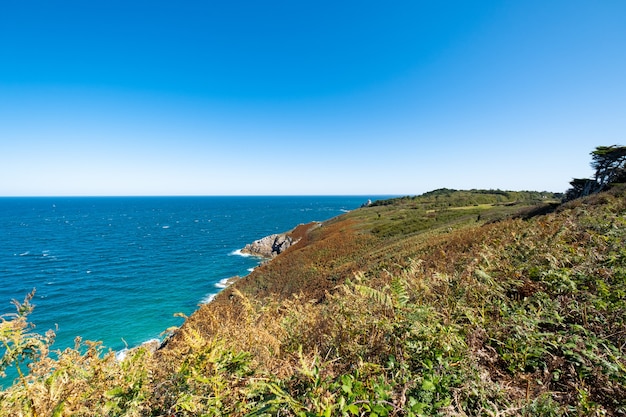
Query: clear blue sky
x=299, y=97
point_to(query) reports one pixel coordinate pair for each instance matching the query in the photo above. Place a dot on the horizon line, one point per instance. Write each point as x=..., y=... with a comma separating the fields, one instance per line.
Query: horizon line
x=195, y=195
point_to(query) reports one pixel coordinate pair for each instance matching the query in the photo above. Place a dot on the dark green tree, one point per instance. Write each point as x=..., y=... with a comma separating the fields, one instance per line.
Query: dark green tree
x=580, y=188
x=609, y=163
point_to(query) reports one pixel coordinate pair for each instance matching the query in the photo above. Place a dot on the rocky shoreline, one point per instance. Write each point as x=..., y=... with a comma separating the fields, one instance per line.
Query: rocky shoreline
x=269, y=246
x=273, y=245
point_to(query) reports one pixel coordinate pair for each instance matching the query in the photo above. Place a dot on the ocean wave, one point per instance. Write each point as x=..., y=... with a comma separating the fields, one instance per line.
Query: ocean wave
x=208, y=298
x=120, y=355
x=238, y=252
x=223, y=283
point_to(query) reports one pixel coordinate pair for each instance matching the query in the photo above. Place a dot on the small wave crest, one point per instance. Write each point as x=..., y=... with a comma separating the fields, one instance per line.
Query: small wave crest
x=120, y=355
x=208, y=298
x=238, y=252
x=153, y=343
x=223, y=283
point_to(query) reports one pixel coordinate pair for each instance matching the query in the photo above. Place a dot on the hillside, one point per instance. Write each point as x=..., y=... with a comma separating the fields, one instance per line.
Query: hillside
x=455, y=303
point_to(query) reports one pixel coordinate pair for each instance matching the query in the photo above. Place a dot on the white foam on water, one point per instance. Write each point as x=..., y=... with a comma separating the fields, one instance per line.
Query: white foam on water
x=120, y=355
x=223, y=283
x=208, y=299
x=239, y=253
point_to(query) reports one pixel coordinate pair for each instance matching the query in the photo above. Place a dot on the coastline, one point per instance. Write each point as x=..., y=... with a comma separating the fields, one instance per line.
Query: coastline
x=117, y=254
x=264, y=248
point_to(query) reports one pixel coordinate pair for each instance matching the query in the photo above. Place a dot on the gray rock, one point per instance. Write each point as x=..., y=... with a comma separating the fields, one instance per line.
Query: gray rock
x=269, y=246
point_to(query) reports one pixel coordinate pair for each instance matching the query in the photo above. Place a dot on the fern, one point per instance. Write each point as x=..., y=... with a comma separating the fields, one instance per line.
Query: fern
x=391, y=296
x=400, y=294
x=379, y=297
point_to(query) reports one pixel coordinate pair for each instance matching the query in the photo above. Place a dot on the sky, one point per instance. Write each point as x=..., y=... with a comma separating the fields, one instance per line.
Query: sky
x=306, y=98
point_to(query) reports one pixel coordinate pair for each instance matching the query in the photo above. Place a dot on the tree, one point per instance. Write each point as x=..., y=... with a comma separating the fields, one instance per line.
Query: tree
x=580, y=187
x=609, y=163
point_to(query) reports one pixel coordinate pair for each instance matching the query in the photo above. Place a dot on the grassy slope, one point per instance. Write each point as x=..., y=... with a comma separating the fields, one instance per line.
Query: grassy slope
x=449, y=303
x=455, y=307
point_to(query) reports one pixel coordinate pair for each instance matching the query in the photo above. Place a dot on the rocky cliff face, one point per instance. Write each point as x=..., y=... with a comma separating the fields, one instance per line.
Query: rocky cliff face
x=270, y=246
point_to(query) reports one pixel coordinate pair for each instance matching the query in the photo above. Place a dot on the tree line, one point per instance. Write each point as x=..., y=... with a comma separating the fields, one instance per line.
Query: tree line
x=609, y=163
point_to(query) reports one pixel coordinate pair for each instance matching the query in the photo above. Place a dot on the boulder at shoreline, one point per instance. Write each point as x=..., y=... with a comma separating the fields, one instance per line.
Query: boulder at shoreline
x=269, y=246
x=273, y=245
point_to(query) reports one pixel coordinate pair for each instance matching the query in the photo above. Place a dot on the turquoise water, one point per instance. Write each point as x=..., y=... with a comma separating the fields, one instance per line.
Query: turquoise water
x=117, y=269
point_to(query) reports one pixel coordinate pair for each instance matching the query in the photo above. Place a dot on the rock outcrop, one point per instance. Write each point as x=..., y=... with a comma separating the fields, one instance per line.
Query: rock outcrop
x=273, y=245
x=270, y=246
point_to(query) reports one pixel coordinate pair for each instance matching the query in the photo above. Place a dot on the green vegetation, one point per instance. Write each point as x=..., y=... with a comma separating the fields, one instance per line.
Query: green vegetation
x=448, y=208
x=453, y=303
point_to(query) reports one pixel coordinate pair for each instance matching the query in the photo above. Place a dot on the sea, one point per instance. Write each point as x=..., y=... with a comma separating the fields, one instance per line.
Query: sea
x=119, y=269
